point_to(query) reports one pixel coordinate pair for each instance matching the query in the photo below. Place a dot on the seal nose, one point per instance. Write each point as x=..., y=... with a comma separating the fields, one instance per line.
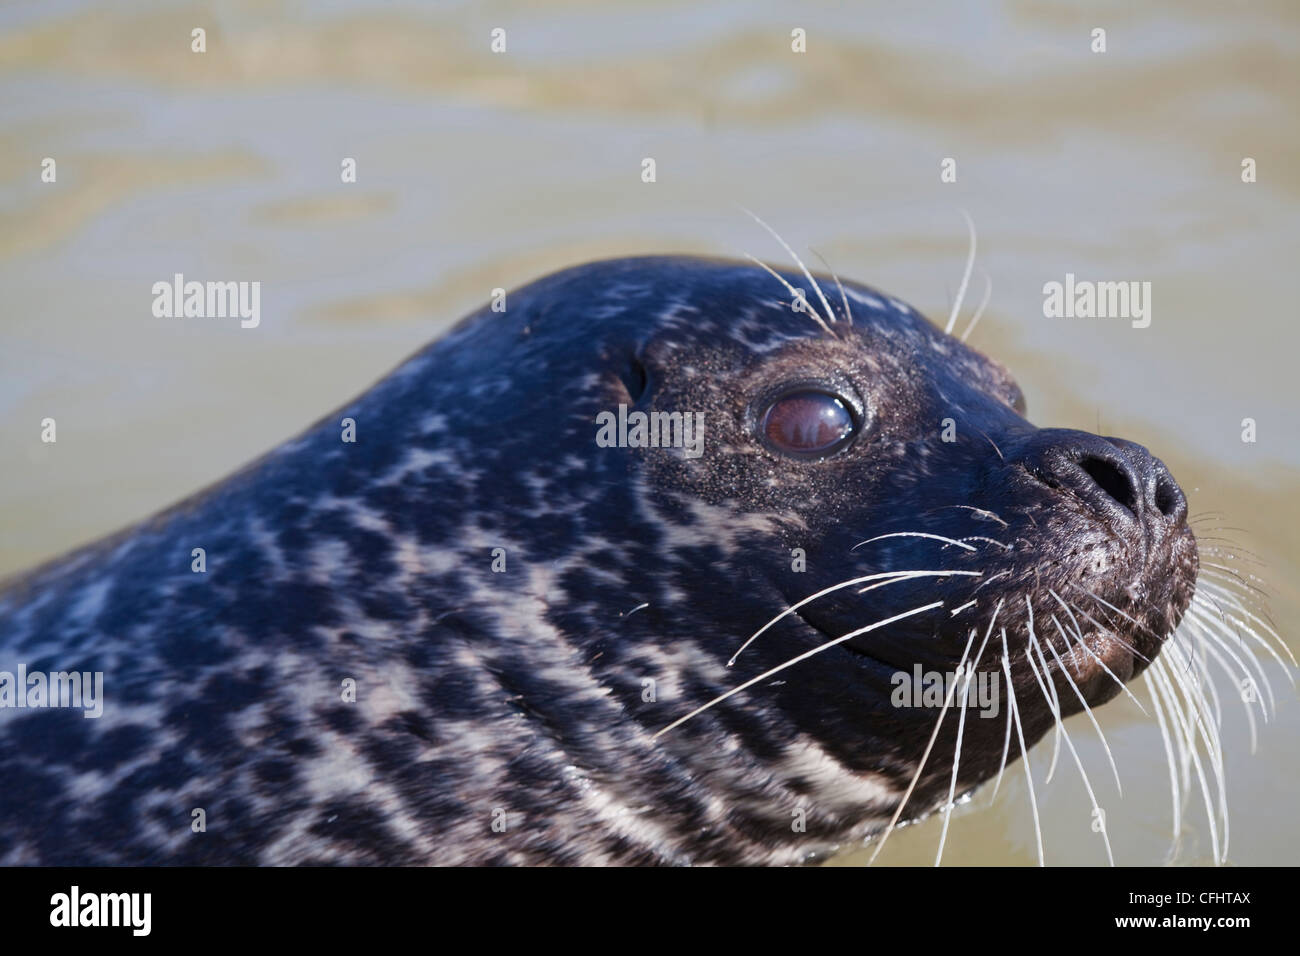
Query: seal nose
x=1119, y=479
x=1157, y=492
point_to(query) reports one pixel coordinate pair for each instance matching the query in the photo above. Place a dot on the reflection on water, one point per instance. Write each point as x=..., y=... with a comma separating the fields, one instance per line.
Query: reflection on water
x=478, y=170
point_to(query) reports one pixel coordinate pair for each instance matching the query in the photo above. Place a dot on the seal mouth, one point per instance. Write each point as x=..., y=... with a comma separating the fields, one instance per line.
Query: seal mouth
x=1092, y=622
x=827, y=635
x=1128, y=642
x=890, y=648
x=1109, y=662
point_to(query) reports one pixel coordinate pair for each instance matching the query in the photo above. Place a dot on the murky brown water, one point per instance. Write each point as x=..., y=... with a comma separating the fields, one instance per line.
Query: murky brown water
x=477, y=170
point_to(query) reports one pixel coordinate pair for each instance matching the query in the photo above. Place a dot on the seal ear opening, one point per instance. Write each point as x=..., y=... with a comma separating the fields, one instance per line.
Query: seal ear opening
x=634, y=378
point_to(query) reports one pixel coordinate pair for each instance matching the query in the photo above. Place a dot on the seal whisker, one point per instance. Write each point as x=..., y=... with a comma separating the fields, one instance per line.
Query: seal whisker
x=1195, y=704
x=1249, y=565
x=1200, y=653
x=1187, y=746
x=1222, y=625
x=844, y=298
x=1245, y=703
x=799, y=262
x=1229, y=548
x=889, y=577
x=795, y=660
x=1210, y=608
x=956, y=757
x=1197, y=520
x=979, y=312
x=961, y=729
x=1084, y=644
x=1086, y=709
x=1169, y=755
x=1200, y=626
x=796, y=293
x=1001, y=457
x=1184, y=740
x=1044, y=682
x=1230, y=599
x=1193, y=683
x=980, y=512
x=990, y=579
x=1220, y=527
x=1228, y=574
x=925, y=757
x=1006, y=739
x=1127, y=617
x=1024, y=751
x=1111, y=630
x=965, y=278
x=1000, y=544
x=1234, y=589
x=912, y=534
x=1056, y=739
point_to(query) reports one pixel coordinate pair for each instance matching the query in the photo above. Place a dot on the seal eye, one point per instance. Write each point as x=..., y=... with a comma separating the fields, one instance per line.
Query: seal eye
x=807, y=424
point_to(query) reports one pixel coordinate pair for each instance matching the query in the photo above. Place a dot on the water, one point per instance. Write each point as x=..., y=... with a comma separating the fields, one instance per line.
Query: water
x=477, y=171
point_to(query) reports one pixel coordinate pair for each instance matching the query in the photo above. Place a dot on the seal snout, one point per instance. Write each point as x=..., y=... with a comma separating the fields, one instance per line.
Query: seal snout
x=1123, y=483
x=1115, y=551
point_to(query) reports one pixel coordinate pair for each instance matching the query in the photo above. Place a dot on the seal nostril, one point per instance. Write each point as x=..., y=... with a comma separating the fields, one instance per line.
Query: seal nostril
x=1111, y=480
x=1170, y=500
x=1164, y=499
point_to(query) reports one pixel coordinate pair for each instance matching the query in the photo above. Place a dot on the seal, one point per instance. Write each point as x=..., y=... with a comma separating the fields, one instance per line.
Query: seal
x=643, y=569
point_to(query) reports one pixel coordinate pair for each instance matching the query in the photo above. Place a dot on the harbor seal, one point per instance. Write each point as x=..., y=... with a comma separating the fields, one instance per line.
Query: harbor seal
x=449, y=625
